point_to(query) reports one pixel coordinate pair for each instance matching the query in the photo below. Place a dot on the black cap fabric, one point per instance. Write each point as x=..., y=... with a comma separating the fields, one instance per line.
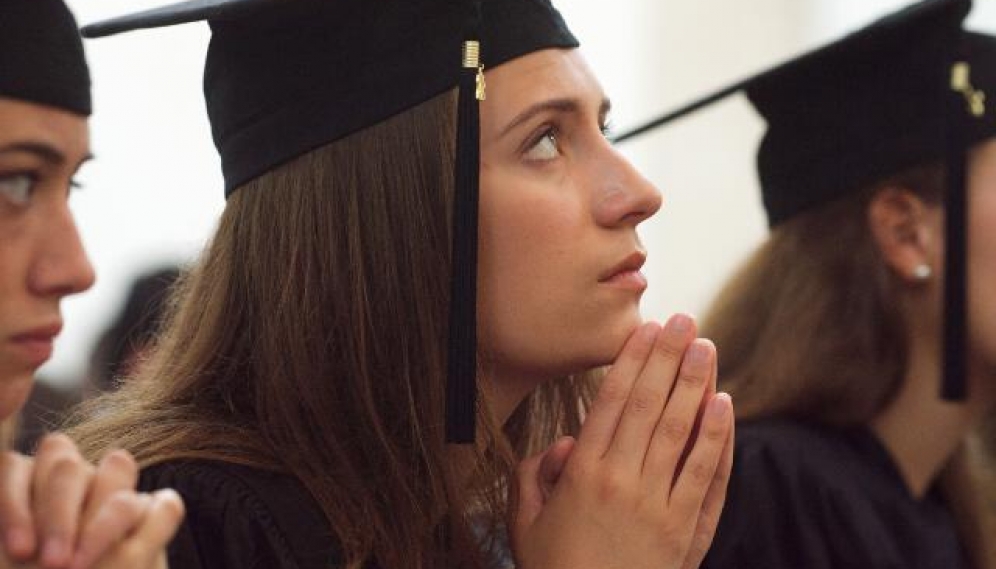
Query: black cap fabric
x=863, y=108
x=41, y=56
x=286, y=76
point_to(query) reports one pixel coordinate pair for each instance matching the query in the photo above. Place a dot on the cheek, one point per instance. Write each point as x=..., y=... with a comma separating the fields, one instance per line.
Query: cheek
x=541, y=309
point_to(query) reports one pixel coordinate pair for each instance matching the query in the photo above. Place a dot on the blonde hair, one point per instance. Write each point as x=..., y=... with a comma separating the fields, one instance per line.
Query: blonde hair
x=809, y=329
x=315, y=323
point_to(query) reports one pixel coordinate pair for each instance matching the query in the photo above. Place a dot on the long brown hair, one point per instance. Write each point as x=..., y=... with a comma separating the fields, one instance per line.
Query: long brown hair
x=315, y=323
x=809, y=328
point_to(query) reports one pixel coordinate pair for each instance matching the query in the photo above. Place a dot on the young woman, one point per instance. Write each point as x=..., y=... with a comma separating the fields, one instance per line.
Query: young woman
x=847, y=456
x=296, y=398
x=55, y=509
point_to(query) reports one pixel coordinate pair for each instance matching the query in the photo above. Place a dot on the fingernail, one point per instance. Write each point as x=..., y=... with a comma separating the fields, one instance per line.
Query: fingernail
x=19, y=542
x=699, y=352
x=650, y=330
x=719, y=406
x=55, y=551
x=679, y=324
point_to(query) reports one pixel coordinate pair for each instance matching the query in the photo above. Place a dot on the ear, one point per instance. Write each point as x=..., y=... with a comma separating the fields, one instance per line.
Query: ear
x=903, y=227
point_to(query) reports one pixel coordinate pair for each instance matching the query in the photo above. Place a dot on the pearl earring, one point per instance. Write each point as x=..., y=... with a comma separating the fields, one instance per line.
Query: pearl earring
x=922, y=272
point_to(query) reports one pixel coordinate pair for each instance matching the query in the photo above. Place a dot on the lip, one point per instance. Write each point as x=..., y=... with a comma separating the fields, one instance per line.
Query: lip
x=626, y=273
x=36, y=345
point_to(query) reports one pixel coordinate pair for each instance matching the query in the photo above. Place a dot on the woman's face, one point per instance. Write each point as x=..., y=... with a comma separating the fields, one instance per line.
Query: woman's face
x=982, y=254
x=559, y=254
x=41, y=257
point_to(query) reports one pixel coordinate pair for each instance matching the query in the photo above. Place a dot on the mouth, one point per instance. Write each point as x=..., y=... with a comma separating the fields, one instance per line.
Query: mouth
x=36, y=345
x=627, y=273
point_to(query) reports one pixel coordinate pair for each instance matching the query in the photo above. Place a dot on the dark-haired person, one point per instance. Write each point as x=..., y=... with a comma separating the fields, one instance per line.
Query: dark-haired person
x=56, y=510
x=849, y=452
x=298, y=397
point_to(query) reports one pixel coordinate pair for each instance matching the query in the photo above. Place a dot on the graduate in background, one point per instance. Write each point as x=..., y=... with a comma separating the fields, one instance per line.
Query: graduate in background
x=848, y=453
x=327, y=346
x=56, y=510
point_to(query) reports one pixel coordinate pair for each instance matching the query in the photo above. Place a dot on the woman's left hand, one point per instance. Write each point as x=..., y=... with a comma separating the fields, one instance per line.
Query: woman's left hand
x=58, y=511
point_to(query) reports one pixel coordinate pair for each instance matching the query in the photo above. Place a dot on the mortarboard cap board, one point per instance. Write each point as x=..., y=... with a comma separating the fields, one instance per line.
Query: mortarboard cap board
x=284, y=77
x=41, y=56
x=906, y=90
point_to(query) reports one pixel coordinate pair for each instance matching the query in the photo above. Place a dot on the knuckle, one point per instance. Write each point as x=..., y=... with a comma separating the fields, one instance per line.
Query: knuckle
x=691, y=377
x=611, y=486
x=66, y=469
x=700, y=472
x=123, y=504
x=56, y=443
x=714, y=432
x=675, y=430
x=671, y=350
x=613, y=391
x=172, y=507
x=120, y=461
x=644, y=399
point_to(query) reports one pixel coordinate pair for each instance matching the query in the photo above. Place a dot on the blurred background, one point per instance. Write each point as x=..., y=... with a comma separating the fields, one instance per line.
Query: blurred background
x=152, y=196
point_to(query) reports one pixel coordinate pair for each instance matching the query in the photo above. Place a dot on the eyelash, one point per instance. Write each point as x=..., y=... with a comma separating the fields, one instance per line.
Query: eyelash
x=33, y=180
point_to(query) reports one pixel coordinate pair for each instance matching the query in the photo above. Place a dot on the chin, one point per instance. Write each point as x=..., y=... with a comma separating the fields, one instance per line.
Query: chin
x=610, y=339
x=14, y=391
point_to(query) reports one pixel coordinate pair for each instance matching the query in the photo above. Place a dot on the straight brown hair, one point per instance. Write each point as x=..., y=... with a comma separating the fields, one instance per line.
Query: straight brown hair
x=311, y=338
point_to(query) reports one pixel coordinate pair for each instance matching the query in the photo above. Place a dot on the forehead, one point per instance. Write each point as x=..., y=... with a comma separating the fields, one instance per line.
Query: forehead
x=538, y=76
x=22, y=121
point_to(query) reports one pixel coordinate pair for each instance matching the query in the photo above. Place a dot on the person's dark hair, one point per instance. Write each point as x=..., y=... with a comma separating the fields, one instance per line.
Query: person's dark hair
x=133, y=331
x=311, y=338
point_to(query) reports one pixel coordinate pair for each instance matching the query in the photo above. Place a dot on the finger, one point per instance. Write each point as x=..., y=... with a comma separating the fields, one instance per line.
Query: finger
x=707, y=396
x=695, y=480
x=650, y=393
x=60, y=484
x=712, y=506
x=552, y=465
x=600, y=425
x=117, y=471
x=145, y=546
x=527, y=499
x=674, y=430
x=119, y=515
x=16, y=519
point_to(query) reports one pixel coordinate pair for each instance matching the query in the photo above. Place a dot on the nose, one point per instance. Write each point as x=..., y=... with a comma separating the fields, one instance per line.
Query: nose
x=61, y=266
x=625, y=197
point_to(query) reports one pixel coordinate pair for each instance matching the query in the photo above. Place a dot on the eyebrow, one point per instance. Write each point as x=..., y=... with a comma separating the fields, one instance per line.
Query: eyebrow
x=44, y=151
x=564, y=105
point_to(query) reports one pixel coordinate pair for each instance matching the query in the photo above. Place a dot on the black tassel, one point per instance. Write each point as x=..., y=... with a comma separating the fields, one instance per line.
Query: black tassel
x=953, y=386
x=461, y=381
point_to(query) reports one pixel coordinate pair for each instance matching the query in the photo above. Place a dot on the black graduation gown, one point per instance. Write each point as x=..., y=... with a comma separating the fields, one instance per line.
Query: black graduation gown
x=243, y=518
x=811, y=497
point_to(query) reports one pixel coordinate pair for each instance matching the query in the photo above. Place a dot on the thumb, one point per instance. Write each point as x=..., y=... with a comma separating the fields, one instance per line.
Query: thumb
x=536, y=477
x=552, y=464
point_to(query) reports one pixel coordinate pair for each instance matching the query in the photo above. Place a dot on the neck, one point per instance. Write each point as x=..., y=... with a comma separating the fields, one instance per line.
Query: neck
x=920, y=430
x=505, y=391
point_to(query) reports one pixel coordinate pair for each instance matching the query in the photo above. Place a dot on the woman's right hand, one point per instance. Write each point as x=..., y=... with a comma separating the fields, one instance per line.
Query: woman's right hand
x=644, y=483
x=58, y=511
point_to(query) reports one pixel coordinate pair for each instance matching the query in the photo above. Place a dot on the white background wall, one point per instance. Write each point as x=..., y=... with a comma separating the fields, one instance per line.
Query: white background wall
x=154, y=192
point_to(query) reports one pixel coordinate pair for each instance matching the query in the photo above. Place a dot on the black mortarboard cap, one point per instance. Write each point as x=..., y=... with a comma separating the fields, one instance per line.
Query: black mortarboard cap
x=41, y=56
x=284, y=77
x=906, y=90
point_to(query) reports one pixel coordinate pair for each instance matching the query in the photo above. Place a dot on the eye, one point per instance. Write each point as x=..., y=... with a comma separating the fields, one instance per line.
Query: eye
x=18, y=188
x=544, y=148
